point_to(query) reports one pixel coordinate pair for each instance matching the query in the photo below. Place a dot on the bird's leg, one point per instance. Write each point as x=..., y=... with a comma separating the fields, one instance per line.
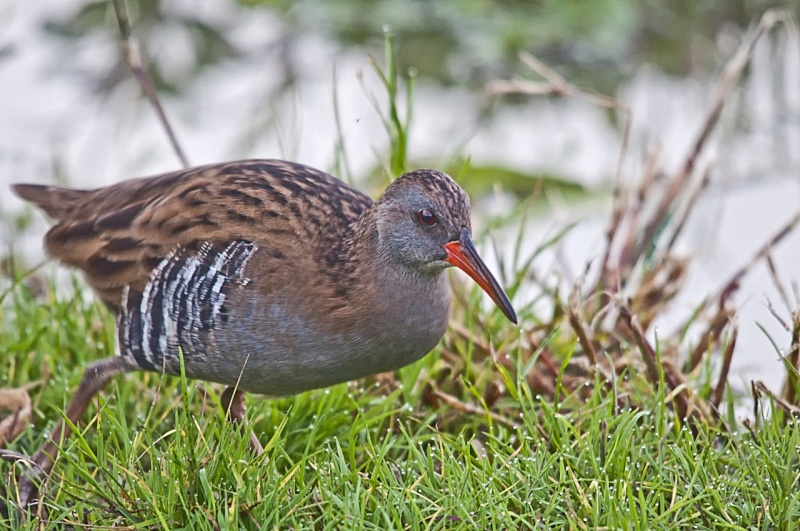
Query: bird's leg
x=95, y=378
x=232, y=400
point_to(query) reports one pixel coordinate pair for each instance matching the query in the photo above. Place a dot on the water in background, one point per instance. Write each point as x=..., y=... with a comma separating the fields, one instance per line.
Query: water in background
x=259, y=81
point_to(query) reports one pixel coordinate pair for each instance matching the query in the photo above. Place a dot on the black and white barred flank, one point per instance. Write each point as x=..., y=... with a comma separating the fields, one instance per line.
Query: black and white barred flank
x=180, y=306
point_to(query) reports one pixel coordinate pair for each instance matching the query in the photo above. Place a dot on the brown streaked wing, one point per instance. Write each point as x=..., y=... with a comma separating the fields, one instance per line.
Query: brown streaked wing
x=118, y=234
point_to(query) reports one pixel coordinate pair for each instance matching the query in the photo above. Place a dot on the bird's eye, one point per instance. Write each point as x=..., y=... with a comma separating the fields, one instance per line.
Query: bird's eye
x=426, y=217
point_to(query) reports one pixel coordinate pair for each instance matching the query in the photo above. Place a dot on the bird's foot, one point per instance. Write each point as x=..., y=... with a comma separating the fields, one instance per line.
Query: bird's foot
x=232, y=400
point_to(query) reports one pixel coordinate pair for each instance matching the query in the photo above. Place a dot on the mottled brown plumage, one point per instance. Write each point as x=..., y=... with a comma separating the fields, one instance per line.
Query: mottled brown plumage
x=119, y=233
x=268, y=276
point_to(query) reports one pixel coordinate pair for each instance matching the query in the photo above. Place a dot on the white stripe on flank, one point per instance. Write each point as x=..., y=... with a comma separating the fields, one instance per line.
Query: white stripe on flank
x=180, y=305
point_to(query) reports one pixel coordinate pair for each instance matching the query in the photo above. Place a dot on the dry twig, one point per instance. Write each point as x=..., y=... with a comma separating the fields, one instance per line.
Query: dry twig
x=133, y=56
x=759, y=387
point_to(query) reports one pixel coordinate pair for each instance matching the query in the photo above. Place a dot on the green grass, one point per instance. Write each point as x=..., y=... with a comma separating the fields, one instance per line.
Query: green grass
x=156, y=453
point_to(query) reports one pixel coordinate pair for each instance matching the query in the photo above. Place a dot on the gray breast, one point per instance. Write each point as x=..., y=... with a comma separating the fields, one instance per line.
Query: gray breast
x=277, y=350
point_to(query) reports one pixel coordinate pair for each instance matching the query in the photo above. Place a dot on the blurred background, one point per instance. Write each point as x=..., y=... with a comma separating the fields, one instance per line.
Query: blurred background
x=293, y=79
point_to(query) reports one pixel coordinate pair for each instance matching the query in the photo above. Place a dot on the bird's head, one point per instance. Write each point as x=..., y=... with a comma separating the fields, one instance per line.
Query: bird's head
x=423, y=224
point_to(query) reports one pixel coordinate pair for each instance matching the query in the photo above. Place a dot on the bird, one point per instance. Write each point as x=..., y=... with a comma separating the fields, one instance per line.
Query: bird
x=266, y=276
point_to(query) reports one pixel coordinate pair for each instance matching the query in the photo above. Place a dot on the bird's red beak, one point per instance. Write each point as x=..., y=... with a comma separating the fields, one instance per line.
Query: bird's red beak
x=462, y=254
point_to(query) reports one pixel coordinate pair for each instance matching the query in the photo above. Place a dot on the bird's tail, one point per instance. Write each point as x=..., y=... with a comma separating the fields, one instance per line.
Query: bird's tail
x=55, y=201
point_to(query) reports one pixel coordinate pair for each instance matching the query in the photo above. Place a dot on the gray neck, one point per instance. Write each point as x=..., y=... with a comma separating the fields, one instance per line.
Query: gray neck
x=409, y=301
x=412, y=302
